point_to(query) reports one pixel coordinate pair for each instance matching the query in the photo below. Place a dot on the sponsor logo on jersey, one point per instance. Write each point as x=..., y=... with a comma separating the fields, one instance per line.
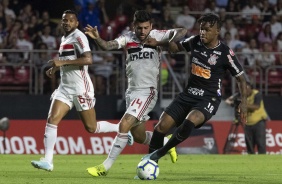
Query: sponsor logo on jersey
x=141, y=55
x=196, y=91
x=204, y=54
x=232, y=63
x=200, y=71
x=212, y=59
x=196, y=61
x=217, y=52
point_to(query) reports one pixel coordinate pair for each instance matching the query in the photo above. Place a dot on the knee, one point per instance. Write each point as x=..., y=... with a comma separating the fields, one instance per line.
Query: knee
x=161, y=128
x=139, y=138
x=90, y=128
x=53, y=120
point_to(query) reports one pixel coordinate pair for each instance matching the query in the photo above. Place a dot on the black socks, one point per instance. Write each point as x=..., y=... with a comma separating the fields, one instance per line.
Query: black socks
x=157, y=141
x=179, y=135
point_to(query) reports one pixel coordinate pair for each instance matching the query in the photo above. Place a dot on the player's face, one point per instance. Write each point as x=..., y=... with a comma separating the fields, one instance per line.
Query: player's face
x=142, y=30
x=69, y=22
x=209, y=34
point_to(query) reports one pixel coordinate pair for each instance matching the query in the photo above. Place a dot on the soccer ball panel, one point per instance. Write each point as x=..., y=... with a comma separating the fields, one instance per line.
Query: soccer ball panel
x=147, y=170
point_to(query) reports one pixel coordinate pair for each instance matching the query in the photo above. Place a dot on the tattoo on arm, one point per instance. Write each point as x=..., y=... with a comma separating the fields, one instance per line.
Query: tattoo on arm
x=107, y=45
x=177, y=34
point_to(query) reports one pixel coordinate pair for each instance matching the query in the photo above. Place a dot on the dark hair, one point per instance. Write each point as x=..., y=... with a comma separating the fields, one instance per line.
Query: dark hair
x=211, y=18
x=70, y=12
x=141, y=16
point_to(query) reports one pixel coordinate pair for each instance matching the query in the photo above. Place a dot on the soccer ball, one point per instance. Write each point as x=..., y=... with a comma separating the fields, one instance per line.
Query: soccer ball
x=147, y=170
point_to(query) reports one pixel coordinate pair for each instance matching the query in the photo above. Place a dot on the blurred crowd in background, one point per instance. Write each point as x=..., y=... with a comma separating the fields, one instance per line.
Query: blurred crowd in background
x=253, y=29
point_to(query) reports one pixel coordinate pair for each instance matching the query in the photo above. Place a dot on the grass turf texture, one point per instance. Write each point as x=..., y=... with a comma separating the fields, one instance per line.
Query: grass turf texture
x=211, y=169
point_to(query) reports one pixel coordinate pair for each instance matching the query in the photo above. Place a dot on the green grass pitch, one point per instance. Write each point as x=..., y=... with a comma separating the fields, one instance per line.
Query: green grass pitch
x=189, y=169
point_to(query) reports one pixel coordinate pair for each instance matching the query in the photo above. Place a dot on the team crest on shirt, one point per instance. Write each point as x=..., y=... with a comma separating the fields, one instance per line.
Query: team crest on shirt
x=212, y=59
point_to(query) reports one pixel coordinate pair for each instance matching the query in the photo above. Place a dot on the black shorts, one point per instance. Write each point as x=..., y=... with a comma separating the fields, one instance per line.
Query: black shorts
x=180, y=107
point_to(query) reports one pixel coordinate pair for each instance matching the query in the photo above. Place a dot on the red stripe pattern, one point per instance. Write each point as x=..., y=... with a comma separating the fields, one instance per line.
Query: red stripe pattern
x=147, y=103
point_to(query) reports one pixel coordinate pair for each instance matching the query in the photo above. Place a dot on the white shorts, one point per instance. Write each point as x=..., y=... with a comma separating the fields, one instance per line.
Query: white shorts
x=140, y=102
x=81, y=102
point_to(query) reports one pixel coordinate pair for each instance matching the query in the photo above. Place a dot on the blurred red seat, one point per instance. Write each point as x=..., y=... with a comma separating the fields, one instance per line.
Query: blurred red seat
x=6, y=75
x=21, y=75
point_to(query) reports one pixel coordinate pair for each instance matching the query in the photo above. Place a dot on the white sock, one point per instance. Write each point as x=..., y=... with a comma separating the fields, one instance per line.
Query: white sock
x=118, y=145
x=50, y=138
x=165, y=140
x=105, y=126
x=148, y=137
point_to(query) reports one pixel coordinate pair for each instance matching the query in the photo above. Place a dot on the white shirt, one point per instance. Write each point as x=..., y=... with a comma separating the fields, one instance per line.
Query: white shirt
x=252, y=56
x=74, y=79
x=186, y=21
x=142, y=62
x=24, y=45
x=50, y=41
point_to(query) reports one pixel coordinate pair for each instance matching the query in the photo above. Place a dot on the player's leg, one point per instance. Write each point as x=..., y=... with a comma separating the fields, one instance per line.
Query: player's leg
x=164, y=125
x=58, y=110
x=118, y=145
x=180, y=134
x=140, y=134
x=85, y=107
x=201, y=111
x=139, y=103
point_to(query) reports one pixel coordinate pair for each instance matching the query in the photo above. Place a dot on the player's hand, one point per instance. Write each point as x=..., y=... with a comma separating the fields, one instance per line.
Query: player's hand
x=92, y=31
x=152, y=42
x=50, y=72
x=55, y=62
x=173, y=47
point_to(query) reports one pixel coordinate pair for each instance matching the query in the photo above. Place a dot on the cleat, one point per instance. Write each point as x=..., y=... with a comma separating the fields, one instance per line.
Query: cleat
x=149, y=156
x=136, y=178
x=172, y=152
x=42, y=164
x=130, y=139
x=98, y=170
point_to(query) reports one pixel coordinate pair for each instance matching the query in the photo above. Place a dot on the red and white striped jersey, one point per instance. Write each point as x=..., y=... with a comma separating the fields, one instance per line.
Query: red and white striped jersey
x=142, y=61
x=74, y=79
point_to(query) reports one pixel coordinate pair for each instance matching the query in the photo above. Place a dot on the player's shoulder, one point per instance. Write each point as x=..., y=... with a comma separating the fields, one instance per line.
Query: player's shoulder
x=128, y=35
x=78, y=33
x=226, y=49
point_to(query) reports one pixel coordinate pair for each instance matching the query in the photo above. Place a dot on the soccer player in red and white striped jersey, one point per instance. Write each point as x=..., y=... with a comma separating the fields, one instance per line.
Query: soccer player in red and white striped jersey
x=75, y=89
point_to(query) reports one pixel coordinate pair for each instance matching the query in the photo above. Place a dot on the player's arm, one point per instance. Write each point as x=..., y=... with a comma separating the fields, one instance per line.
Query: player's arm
x=51, y=71
x=94, y=34
x=174, y=35
x=84, y=59
x=241, y=81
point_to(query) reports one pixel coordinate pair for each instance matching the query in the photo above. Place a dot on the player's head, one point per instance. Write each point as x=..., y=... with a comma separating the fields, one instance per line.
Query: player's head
x=210, y=25
x=142, y=24
x=69, y=21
